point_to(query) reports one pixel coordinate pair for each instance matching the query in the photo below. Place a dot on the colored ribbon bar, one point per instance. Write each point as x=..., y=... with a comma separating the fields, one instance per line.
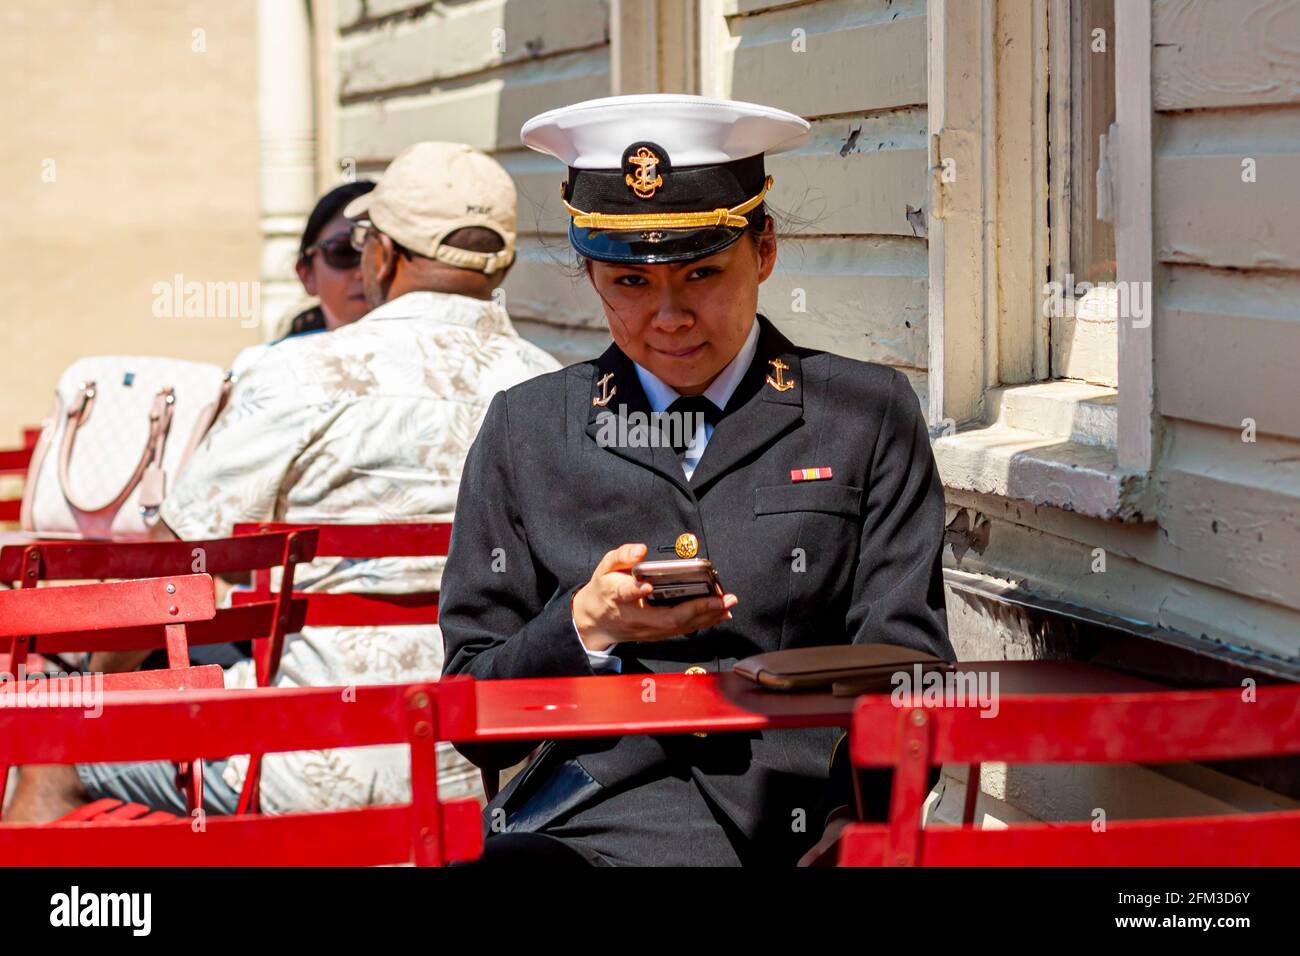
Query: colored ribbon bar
x=809, y=474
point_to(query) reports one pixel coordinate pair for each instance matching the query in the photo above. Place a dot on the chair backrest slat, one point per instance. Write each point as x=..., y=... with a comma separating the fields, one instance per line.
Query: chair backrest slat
x=358, y=610
x=415, y=539
x=1248, y=839
x=1156, y=727
x=362, y=541
x=219, y=723
x=93, y=607
x=84, y=560
x=371, y=836
x=231, y=624
x=203, y=677
x=15, y=460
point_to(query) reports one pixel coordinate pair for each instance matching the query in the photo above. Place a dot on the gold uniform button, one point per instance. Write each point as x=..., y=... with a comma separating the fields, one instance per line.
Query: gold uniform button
x=687, y=546
x=697, y=669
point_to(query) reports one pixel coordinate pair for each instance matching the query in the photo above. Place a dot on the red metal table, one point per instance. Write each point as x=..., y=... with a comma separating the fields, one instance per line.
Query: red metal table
x=612, y=705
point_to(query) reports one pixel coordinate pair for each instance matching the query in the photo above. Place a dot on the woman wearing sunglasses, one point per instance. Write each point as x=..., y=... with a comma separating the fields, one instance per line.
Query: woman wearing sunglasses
x=328, y=268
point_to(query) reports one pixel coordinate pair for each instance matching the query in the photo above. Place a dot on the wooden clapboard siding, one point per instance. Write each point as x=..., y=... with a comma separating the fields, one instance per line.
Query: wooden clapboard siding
x=485, y=111
x=1229, y=510
x=567, y=344
x=856, y=175
x=857, y=55
x=852, y=268
x=1215, y=54
x=544, y=284
x=1221, y=559
x=1205, y=213
x=456, y=41
x=473, y=71
x=1226, y=87
x=864, y=297
x=1052, y=552
x=1228, y=348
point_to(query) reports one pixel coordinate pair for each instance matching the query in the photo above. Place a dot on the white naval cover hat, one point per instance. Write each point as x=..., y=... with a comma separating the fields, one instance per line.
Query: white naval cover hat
x=662, y=177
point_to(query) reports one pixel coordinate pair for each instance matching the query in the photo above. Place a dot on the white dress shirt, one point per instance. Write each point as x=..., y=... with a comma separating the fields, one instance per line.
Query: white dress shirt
x=660, y=397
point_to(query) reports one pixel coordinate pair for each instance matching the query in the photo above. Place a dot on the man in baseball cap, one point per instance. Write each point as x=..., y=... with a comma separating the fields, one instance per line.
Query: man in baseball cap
x=442, y=218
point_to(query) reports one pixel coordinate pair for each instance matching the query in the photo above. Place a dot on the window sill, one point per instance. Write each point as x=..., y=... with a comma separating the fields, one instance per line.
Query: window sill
x=1051, y=444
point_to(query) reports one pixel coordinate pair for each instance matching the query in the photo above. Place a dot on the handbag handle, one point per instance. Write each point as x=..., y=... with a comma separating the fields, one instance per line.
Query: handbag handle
x=160, y=420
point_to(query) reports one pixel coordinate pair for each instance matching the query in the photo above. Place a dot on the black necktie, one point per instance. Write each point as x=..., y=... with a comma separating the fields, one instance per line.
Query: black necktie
x=683, y=419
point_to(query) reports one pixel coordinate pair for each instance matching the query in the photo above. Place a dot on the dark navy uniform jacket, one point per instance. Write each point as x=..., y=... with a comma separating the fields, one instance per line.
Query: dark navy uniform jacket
x=850, y=559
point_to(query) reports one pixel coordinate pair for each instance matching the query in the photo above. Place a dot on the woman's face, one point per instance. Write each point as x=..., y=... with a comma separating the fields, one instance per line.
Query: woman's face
x=684, y=321
x=342, y=296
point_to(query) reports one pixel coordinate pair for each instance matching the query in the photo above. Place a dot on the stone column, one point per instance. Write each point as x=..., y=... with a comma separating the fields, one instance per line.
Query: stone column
x=286, y=128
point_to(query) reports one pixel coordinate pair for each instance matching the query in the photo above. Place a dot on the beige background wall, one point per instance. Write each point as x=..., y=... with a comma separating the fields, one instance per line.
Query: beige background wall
x=155, y=165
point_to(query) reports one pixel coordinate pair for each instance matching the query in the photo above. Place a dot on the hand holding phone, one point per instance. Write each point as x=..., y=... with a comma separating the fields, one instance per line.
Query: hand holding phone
x=614, y=605
x=678, y=580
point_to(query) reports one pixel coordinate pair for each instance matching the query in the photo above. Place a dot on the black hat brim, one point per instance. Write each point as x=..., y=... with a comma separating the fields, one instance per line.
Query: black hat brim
x=675, y=245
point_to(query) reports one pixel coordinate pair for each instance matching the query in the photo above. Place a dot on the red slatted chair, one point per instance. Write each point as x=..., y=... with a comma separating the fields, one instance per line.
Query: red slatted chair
x=166, y=602
x=363, y=541
x=39, y=561
x=264, y=622
x=351, y=610
x=1095, y=728
x=14, y=461
x=134, y=727
x=205, y=677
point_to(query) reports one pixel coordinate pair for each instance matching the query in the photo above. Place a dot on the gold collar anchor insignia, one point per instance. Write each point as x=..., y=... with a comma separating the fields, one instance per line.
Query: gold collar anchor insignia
x=606, y=392
x=779, y=383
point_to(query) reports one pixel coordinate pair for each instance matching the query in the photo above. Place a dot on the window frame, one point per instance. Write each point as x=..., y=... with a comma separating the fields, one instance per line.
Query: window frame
x=980, y=323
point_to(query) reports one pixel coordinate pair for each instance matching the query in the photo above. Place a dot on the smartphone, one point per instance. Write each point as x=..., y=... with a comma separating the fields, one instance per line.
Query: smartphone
x=678, y=580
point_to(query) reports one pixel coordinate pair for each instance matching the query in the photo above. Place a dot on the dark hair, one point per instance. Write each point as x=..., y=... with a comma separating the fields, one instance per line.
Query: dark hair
x=309, y=320
x=327, y=207
x=475, y=239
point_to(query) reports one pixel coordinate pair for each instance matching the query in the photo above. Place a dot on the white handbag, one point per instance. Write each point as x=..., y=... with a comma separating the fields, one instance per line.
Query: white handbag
x=120, y=430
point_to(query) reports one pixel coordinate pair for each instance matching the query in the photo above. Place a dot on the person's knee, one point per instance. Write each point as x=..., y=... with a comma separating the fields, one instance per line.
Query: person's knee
x=46, y=792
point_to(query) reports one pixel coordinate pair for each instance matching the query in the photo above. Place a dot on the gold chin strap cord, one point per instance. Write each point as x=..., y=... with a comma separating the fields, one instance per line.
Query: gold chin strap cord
x=735, y=216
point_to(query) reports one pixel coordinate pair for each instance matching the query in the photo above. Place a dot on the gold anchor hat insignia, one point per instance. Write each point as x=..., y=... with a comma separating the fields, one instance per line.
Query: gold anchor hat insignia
x=647, y=179
x=779, y=383
x=606, y=392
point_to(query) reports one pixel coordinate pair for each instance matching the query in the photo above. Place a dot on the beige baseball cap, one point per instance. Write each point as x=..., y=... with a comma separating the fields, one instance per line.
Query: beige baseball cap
x=432, y=189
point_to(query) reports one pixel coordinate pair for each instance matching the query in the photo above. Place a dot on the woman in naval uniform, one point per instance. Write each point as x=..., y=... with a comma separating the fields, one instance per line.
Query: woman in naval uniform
x=808, y=481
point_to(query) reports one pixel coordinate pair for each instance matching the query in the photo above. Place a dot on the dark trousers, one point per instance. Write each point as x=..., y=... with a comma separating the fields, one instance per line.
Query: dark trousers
x=664, y=822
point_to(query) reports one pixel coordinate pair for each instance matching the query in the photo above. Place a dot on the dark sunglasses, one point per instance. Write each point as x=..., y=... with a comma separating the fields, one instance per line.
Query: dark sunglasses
x=337, y=253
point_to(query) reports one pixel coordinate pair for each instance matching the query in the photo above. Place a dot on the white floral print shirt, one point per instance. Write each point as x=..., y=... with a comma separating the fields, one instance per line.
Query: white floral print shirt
x=370, y=423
